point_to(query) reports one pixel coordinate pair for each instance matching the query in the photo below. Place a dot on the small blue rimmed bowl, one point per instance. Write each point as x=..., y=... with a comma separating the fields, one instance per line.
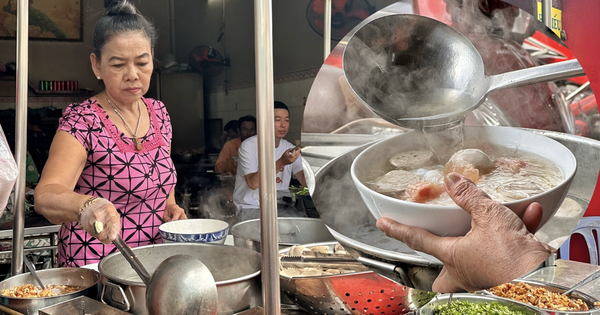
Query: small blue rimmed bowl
x=194, y=231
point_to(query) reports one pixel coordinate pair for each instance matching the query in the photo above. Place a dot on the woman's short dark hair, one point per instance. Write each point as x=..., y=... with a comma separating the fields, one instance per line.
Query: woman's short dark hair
x=121, y=17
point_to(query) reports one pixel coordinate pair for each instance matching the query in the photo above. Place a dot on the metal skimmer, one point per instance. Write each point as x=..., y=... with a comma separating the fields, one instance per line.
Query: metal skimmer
x=364, y=293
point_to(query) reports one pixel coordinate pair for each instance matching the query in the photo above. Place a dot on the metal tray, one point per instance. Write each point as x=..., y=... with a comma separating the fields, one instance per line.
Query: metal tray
x=82, y=305
x=589, y=300
x=442, y=299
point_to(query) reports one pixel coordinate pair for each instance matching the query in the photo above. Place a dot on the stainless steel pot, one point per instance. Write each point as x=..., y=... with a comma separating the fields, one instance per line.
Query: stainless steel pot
x=235, y=270
x=292, y=231
x=90, y=279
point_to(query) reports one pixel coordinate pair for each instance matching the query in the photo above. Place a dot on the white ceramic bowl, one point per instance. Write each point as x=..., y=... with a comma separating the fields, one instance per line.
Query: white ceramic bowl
x=452, y=220
x=194, y=231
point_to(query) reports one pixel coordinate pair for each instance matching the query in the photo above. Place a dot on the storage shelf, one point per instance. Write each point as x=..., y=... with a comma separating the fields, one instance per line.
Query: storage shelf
x=36, y=91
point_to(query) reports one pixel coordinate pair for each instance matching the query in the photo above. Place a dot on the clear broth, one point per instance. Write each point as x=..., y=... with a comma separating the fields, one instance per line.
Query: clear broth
x=537, y=176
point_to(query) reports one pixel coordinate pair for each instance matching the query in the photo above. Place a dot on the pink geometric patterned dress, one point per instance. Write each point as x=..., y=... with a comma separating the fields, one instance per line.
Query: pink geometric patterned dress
x=137, y=183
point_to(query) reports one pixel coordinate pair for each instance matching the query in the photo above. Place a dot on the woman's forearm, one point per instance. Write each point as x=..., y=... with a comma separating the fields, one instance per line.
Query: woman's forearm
x=171, y=199
x=58, y=203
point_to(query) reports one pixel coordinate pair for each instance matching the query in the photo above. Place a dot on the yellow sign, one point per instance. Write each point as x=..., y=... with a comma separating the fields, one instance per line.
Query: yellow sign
x=556, y=18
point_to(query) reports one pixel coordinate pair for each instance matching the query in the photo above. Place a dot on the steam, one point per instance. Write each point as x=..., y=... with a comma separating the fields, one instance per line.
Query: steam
x=341, y=208
x=489, y=29
x=388, y=63
x=216, y=205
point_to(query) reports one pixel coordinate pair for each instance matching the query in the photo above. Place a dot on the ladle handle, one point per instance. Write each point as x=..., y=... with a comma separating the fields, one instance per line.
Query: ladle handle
x=128, y=253
x=583, y=282
x=33, y=272
x=132, y=259
x=539, y=74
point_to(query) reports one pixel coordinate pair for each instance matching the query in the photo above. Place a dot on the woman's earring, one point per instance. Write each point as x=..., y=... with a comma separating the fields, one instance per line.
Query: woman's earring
x=98, y=77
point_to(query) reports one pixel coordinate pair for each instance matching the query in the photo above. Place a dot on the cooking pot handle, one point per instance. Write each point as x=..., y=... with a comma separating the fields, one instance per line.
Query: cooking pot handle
x=115, y=286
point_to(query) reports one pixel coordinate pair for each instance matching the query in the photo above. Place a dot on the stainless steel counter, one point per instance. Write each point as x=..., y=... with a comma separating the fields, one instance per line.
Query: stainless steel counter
x=567, y=273
x=47, y=229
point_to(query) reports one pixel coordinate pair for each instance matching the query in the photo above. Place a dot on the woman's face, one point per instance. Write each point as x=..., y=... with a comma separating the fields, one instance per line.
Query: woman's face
x=125, y=67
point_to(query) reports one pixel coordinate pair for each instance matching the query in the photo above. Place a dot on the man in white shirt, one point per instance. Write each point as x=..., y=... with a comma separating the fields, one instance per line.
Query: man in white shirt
x=288, y=163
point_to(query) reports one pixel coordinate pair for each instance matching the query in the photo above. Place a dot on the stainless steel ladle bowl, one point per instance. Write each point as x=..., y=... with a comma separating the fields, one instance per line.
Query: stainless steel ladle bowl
x=415, y=71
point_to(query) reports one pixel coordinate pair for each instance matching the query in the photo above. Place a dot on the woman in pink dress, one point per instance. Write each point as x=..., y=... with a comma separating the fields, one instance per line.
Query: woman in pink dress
x=110, y=159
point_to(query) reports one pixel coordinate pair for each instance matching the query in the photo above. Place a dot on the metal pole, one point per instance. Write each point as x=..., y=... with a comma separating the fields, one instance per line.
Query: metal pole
x=21, y=135
x=327, y=28
x=547, y=13
x=266, y=155
x=580, y=89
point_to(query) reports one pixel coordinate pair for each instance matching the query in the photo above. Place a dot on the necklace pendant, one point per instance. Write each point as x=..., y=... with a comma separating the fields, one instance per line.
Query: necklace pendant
x=138, y=144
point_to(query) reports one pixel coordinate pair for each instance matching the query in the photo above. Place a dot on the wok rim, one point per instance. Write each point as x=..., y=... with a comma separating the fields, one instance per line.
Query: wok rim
x=101, y=270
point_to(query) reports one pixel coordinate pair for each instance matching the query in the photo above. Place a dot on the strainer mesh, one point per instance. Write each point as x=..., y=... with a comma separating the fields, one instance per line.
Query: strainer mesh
x=364, y=294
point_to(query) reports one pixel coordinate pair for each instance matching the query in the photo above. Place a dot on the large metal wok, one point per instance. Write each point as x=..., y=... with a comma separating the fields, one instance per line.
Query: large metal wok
x=350, y=222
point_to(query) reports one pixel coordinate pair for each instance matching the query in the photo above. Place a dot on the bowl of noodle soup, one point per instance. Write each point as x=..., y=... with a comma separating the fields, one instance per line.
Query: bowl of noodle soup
x=402, y=177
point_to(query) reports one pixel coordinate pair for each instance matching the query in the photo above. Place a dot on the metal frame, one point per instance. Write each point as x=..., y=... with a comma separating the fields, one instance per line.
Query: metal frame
x=266, y=155
x=21, y=135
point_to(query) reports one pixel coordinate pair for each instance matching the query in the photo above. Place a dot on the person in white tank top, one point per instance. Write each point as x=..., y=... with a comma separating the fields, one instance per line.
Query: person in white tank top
x=288, y=163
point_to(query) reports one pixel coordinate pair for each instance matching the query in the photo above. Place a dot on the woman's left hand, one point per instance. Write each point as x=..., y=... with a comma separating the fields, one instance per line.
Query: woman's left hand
x=173, y=212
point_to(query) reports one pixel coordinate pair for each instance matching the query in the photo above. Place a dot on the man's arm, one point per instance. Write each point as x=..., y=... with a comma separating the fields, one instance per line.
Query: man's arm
x=252, y=180
x=224, y=155
x=288, y=157
x=300, y=177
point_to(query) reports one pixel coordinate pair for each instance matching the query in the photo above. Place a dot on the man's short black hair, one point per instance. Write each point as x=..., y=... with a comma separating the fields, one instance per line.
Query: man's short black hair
x=246, y=118
x=281, y=105
x=232, y=125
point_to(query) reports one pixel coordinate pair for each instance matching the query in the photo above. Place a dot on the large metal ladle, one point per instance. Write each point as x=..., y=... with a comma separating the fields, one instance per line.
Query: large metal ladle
x=415, y=71
x=180, y=285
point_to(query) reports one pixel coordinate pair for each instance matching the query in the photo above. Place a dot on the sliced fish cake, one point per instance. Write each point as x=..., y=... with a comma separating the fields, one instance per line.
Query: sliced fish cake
x=412, y=159
x=394, y=183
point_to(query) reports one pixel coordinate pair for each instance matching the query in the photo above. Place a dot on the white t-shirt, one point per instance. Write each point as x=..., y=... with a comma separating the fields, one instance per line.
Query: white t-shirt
x=243, y=196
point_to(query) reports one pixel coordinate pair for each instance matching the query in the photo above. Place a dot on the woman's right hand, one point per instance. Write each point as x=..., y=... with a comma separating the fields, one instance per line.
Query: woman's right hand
x=500, y=246
x=103, y=211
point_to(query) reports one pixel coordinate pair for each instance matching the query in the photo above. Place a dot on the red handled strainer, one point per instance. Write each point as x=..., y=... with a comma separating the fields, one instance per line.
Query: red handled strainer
x=364, y=293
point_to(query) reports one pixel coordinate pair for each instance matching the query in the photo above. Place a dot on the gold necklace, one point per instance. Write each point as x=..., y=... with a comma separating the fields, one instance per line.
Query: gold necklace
x=138, y=143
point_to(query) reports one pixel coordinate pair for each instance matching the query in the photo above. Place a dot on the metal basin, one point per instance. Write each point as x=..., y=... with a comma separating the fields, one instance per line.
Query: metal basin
x=442, y=299
x=87, y=278
x=292, y=231
x=235, y=270
x=587, y=299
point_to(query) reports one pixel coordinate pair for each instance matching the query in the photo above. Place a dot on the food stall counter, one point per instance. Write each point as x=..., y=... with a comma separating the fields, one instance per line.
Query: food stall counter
x=568, y=273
